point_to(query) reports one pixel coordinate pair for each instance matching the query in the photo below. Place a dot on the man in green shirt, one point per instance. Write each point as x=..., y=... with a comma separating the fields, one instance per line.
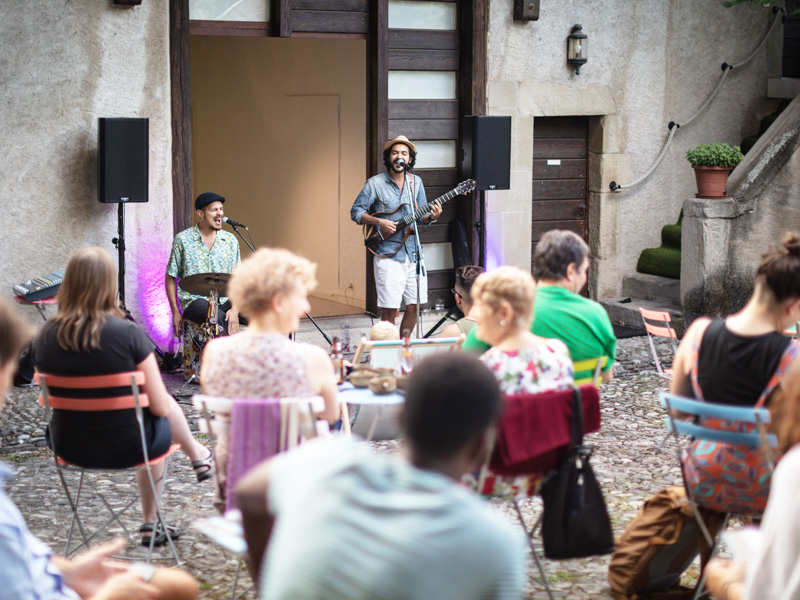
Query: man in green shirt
x=560, y=266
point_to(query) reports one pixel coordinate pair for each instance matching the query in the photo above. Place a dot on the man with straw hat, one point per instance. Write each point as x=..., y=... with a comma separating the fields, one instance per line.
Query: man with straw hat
x=384, y=200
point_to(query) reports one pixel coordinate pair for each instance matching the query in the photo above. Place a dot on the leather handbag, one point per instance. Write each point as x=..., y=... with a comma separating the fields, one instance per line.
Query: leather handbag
x=575, y=522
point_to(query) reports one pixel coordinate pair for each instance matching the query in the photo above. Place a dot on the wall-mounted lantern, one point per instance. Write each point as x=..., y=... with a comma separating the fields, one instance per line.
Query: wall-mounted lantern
x=577, y=48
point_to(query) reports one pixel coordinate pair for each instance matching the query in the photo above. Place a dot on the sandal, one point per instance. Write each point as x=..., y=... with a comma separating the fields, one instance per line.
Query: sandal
x=204, y=466
x=160, y=535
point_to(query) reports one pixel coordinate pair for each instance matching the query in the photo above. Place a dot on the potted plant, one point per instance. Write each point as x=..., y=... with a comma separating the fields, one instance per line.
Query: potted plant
x=712, y=163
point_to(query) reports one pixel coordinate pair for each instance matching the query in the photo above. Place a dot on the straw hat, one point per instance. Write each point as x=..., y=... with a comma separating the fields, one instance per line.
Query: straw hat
x=400, y=139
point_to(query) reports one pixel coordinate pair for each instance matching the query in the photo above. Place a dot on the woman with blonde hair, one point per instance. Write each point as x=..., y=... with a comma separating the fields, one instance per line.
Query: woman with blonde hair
x=522, y=363
x=271, y=288
x=89, y=336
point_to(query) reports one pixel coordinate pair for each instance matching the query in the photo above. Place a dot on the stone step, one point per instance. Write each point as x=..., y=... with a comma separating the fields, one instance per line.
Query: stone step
x=624, y=310
x=652, y=287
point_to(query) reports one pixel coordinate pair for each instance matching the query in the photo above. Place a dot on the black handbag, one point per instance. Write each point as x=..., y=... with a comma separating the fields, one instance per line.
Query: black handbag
x=575, y=522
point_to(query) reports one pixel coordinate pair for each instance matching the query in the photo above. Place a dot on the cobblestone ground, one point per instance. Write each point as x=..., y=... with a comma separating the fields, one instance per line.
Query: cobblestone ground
x=627, y=460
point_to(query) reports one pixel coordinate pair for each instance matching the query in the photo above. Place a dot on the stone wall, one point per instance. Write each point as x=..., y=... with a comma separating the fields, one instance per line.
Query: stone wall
x=650, y=63
x=723, y=240
x=64, y=65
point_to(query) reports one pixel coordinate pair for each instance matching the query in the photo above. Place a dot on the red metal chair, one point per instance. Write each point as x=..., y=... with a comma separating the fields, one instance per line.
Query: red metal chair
x=661, y=326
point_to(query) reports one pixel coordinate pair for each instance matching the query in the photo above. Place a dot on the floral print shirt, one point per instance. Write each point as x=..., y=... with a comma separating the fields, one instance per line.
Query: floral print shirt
x=531, y=370
x=190, y=256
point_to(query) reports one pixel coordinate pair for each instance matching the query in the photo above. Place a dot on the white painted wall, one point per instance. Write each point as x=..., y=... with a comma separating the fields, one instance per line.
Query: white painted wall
x=650, y=62
x=64, y=65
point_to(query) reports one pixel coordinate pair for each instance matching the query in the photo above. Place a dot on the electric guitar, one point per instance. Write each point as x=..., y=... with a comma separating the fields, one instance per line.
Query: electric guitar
x=372, y=234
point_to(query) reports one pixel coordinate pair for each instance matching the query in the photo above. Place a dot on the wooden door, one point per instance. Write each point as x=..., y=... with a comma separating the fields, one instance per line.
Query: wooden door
x=560, y=165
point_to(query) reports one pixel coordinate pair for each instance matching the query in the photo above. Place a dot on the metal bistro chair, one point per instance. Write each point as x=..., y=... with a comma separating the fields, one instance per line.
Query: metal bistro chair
x=589, y=371
x=664, y=329
x=122, y=392
x=746, y=428
x=256, y=429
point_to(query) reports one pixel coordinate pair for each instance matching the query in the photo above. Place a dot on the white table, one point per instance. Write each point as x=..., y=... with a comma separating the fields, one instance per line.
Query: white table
x=372, y=410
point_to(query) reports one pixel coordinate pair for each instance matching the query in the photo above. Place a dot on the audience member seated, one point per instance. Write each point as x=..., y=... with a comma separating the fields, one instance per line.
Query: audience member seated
x=345, y=523
x=271, y=289
x=560, y=266
x=465, y=277
x=384, y=330
x=774, y=573
x=522, y=362
x=745, y=360
x=29, y=569
x=89, y=336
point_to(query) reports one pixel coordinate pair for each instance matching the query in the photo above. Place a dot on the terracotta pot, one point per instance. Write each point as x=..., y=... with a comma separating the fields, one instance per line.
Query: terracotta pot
x=711, y=181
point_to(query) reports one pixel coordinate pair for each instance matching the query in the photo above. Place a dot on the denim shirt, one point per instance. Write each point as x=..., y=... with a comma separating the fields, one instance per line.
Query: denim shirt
x=382, y=194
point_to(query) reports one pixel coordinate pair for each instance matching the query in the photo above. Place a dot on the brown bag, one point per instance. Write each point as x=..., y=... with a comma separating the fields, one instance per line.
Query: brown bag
x=659, y=545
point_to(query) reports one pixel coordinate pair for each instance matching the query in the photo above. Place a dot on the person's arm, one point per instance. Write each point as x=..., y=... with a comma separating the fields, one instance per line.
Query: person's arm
x=360, y=212
x=171, y=285
x=681, y=385
x=725, y=579
x=451, y=330
x=257, y=522
x=607, y=375
x=323, y=381
x=232, y=317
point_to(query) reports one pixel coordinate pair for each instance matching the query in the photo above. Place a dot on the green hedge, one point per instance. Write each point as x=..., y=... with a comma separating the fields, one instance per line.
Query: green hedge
x=671, y=236
x=665, y=262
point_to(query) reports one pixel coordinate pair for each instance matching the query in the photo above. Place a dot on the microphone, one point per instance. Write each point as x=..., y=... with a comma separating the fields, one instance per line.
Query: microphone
x=401, y=163
x=232, y=223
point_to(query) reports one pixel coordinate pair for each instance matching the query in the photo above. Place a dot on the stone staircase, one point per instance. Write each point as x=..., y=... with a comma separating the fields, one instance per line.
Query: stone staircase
x=647, y=291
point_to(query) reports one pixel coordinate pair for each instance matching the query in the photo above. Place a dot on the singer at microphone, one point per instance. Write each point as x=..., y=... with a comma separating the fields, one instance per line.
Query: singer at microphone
x=232, y=223
x=203, y=248
x=384, y=201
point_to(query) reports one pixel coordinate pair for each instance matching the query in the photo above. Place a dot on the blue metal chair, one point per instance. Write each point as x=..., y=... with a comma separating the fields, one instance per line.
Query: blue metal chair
x=736, y=417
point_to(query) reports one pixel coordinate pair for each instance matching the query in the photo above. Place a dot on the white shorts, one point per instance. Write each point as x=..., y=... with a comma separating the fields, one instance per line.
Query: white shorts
x=397, y=282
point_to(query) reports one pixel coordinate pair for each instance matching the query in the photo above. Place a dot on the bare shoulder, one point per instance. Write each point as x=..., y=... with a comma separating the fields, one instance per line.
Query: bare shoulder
x=451, y=330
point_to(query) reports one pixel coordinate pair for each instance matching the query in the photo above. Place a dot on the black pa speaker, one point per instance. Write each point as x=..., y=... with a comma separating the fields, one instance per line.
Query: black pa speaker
x=122, y=160
x=487, y=151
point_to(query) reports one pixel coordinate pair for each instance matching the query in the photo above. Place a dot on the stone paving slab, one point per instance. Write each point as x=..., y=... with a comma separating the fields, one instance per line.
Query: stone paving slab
x=627, y=460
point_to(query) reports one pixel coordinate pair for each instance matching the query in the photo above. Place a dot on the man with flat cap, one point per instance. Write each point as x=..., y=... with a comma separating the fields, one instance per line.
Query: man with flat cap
x=395, y=258
x=204, y=248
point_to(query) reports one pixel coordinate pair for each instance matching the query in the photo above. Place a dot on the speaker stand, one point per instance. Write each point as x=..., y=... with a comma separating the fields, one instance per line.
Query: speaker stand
x=119, y=244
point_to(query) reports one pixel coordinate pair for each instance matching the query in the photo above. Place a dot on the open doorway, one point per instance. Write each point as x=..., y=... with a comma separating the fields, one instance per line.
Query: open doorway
x=279, y=129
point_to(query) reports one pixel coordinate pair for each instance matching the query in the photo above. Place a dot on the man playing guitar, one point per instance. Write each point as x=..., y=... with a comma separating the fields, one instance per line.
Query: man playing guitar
x=397, y=253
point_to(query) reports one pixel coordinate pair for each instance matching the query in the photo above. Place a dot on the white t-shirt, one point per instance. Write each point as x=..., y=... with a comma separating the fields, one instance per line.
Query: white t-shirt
x=775, y=574
x=354, y=525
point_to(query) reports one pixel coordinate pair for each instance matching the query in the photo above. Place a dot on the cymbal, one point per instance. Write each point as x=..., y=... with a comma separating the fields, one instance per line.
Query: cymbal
x=204, y=284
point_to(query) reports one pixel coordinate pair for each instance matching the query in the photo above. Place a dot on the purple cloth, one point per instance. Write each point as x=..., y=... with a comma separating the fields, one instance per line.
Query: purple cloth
x=254, y=436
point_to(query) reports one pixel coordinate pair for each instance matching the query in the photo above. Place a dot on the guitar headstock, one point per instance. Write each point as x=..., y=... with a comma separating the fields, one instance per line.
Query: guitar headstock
x=466, y=186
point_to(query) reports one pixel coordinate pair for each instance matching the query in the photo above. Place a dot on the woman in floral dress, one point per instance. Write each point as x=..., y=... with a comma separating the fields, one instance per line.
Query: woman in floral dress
x=522, y=362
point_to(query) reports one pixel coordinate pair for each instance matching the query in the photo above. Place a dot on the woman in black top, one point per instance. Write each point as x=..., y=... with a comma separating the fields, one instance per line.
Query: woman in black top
x=89, y=337
x=735, y=359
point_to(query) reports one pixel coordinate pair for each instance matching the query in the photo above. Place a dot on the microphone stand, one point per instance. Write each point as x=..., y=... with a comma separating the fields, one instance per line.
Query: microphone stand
x=252, y=249
x=420, y=257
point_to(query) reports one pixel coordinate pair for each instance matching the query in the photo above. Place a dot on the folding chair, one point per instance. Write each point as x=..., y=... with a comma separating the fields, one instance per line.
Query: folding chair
x=745, y=428
x=119, y=392
x=533, y=437
x=589, y=371
x=662, y=329
x=256, y=429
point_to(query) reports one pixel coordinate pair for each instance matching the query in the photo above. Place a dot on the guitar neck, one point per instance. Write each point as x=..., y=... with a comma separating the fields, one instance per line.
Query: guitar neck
x=422, y=210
